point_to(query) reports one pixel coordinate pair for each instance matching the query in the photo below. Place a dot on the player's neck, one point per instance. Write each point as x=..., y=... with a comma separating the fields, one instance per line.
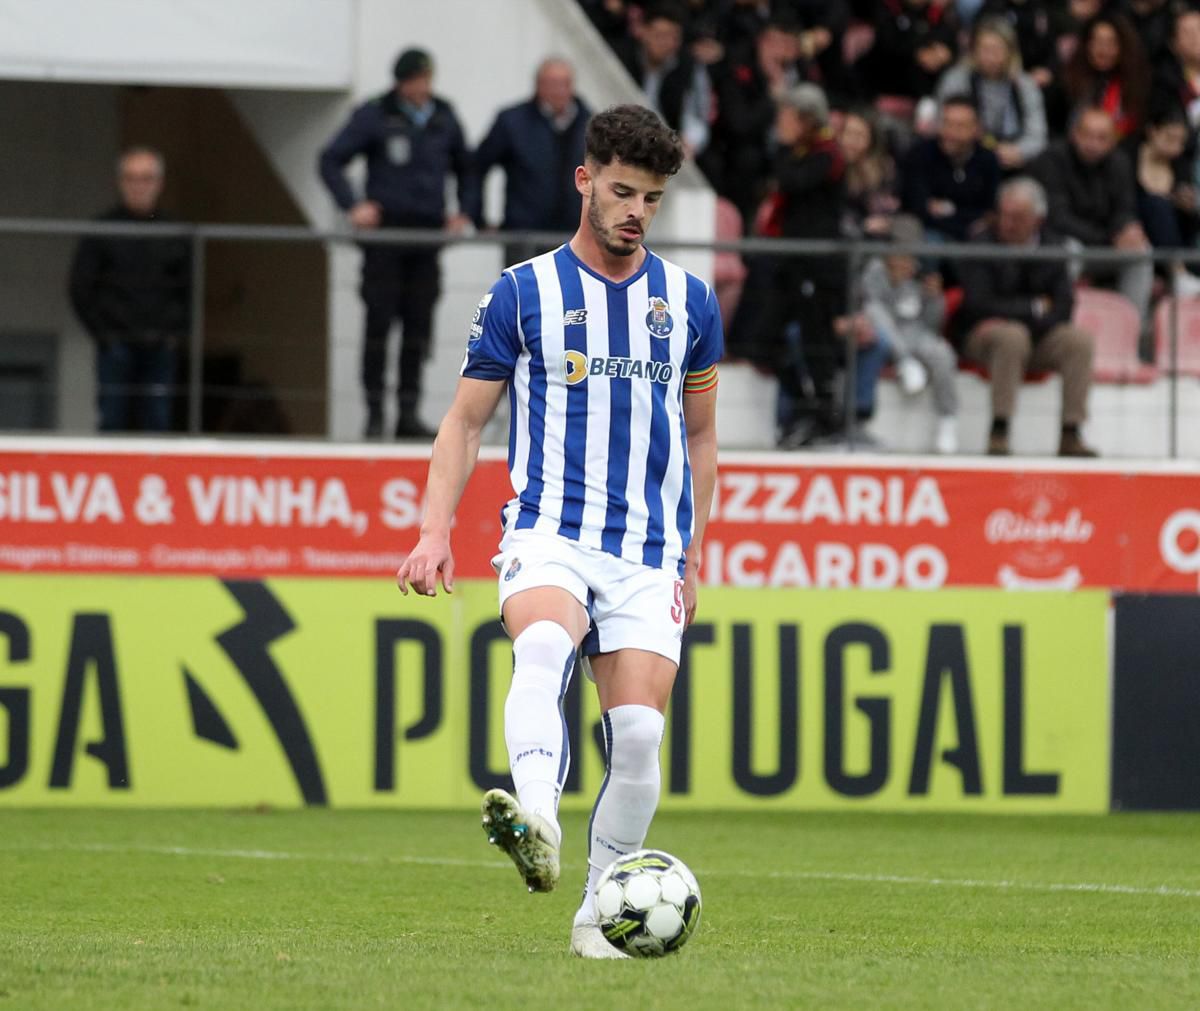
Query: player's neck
x=604, y=263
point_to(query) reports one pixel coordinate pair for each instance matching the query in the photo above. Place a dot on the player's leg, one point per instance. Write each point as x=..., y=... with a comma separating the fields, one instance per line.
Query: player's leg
x=542, y=602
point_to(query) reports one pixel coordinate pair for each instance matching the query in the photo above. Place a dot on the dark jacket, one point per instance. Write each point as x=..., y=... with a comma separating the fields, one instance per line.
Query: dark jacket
x=811, y=189
x=407, y=163
x=929, y=174
x=675, y=84
x=132, y=289
x=539, y=167
x=1091, y=203
x=1007, y=287
x=901, y=30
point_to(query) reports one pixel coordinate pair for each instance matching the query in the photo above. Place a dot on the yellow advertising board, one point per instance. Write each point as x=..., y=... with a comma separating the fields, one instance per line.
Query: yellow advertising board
x=188, y=691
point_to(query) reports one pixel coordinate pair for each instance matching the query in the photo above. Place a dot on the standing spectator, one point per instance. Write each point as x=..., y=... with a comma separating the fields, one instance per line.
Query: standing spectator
x=810, y=291
x=746, y=85
x=1093, y=201
x=906, y=311
x=950, y=181
x=538, y=143
x=1016, y=315
x=411, y=140
x=822, y=24
x=1007, y=100
x=1166, y=195
x=676, y=86
x=1177, y=76
x=1108, y=69
x=870, y=176
x=915, y=40
x=133, y=296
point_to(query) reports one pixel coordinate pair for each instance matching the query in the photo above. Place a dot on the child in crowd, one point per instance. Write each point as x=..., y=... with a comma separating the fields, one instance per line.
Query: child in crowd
x=906, y=310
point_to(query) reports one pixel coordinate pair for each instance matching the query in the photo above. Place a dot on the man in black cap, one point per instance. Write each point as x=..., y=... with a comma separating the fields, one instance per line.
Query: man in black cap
x=411, y=140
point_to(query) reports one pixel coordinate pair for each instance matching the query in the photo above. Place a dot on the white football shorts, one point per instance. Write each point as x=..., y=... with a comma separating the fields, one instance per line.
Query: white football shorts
x=632, y=606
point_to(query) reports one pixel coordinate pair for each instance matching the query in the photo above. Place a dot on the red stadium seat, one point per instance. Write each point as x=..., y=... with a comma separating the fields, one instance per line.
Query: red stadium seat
x=1189, y=335
x=1113, y=322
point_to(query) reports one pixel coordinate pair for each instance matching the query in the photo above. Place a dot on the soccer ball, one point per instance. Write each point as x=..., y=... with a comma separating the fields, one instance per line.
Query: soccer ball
x=648, y=903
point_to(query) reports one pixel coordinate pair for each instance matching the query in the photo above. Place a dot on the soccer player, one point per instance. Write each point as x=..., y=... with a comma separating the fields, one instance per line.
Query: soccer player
x=609, y=355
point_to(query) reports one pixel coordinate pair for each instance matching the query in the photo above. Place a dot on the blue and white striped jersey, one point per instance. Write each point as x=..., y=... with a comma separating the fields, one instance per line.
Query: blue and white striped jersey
x=597, y=447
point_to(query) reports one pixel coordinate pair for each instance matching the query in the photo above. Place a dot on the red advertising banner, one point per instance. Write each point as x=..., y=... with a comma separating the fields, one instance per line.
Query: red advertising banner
x=252, y=510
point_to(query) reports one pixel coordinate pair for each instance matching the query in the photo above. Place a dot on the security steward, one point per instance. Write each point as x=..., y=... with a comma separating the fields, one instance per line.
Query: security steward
x=411, y=139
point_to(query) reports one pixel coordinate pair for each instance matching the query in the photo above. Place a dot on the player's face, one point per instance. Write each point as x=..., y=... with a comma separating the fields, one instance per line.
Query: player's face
x=621, y=202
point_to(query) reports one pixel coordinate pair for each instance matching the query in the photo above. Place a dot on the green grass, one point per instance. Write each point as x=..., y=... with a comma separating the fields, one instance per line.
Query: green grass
x=321, y=909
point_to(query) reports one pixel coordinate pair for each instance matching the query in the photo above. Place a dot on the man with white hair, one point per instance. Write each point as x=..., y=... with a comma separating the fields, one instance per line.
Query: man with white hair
x=1016, y=315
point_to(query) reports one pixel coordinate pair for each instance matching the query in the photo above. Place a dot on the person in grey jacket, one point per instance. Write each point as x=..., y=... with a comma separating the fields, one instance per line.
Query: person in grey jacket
x=906, y=311
x=1012, y=115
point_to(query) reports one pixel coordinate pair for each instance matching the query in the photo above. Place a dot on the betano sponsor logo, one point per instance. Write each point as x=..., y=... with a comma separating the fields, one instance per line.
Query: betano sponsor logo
x=577, y=367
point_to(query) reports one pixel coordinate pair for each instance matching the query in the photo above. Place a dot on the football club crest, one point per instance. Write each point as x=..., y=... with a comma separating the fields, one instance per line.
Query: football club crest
x=513, y=569
x=658, y=319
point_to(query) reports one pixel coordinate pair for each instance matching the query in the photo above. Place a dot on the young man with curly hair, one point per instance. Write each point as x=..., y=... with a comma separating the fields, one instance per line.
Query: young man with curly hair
x=609, y=355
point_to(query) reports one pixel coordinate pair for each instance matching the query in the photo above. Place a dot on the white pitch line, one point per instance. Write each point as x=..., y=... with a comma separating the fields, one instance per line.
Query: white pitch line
x=1168, y=891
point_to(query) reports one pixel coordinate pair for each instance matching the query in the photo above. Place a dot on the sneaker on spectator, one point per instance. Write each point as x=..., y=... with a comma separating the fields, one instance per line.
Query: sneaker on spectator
x=945, y=437
x=912, y=375
x=1187, y=284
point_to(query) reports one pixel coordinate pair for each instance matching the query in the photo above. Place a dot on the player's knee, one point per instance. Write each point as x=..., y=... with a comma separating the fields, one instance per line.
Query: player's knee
x=543, y=646
x=637, y=733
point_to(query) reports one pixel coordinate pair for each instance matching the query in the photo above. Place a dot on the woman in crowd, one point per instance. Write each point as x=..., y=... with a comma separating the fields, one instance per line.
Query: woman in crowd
x=1008, y=101
x=1167, y=198
x=870, y=176
x=1108, y=68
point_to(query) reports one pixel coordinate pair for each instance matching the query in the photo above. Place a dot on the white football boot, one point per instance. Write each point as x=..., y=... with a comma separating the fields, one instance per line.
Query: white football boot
x=530, y=841
x=587, y=941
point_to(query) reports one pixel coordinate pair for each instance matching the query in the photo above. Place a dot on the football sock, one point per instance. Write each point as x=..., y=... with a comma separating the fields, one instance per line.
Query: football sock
x=629, y=794
x=534, y=728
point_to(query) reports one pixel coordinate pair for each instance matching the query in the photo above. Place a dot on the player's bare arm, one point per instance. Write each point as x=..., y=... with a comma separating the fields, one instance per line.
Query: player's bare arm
x=700, y=419
x=453, y=459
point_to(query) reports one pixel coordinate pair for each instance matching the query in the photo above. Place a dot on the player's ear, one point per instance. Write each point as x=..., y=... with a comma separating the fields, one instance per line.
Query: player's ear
x=583, y=180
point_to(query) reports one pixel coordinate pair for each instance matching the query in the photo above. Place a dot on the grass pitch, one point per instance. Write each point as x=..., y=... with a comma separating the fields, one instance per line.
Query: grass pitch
x=322, y=909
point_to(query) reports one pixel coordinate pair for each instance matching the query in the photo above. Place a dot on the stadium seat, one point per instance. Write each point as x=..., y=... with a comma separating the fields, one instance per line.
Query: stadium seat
x=729, y=272
x=1189, y=335
x=1113, y=322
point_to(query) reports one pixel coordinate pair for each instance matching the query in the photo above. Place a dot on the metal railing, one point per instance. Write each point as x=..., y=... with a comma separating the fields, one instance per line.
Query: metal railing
x=853, y=253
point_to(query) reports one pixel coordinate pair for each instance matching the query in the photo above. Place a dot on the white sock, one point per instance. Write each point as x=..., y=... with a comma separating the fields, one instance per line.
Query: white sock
x=628, y=796
x=534, y=728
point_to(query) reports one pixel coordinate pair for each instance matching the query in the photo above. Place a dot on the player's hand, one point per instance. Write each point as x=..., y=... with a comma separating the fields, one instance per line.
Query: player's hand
x=366, y=214
x=420, y=569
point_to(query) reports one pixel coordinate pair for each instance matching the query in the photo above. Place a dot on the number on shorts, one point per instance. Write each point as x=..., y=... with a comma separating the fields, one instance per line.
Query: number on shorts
x=677, y=607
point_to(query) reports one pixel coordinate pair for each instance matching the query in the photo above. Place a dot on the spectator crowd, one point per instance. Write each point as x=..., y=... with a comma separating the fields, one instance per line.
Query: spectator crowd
x=1012, y=122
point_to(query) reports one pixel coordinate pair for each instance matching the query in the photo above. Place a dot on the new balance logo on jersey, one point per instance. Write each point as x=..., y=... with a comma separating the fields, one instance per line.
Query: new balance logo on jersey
x=574, y=317
x=577, y=367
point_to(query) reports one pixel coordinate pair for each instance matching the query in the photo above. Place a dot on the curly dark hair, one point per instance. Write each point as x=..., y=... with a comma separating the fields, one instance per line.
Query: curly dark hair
x=636, y=136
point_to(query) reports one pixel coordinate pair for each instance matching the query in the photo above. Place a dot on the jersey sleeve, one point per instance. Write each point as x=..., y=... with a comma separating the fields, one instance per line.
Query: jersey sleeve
x=494, y=339
x=707, y=351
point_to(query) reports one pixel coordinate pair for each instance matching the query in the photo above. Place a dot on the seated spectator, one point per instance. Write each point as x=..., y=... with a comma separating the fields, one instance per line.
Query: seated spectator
x=1177, y=75
x=676, y=86
x=822, y=23
x=870, y=176
x=915, y=40
x=1037, y=34
x=538, y=143
x=1108, y=69
x=1166, y=196
x=1090, y=185
x=906, y=311
x=1007, y=100
x=133, y=296
x=1152, y=21
x=949, y=181
x=1016, y=315
x=746, y=84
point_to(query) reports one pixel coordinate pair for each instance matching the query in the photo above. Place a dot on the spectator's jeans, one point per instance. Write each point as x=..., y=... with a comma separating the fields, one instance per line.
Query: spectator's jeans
x=1006, y=348
x=1133, y=280
x=868, y=364
x=935, y=353
x=136, y=385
